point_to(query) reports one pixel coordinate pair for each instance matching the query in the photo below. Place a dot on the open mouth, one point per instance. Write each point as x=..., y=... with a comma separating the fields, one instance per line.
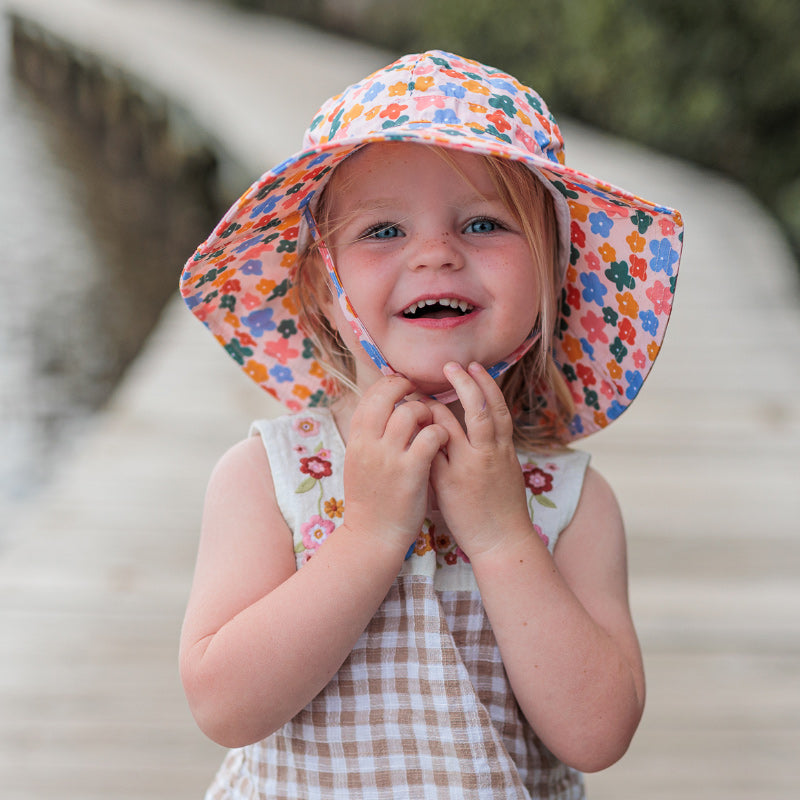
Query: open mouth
x=441, y=308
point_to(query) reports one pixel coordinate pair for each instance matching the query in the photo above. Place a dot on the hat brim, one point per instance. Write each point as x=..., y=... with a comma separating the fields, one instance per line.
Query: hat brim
x=621, y=256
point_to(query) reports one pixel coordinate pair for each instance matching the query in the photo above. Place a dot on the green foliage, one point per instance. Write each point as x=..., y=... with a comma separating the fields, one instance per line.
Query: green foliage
x=713, y=81
x=716, y=82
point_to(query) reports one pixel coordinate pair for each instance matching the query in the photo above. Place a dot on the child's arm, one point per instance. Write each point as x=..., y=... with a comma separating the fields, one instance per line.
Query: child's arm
x=260, y=638
x=562, y=624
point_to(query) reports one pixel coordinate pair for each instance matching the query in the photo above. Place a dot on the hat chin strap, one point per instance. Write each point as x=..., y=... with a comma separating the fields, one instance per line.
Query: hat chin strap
x=367, y=342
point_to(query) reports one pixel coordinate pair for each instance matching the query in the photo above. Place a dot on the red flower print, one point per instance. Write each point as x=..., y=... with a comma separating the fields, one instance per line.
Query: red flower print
x=537, y=480
x=316, y=467
x=393, y=110
x=639, y=267
x=627, y=332
x=576, y=234
x=586, y=375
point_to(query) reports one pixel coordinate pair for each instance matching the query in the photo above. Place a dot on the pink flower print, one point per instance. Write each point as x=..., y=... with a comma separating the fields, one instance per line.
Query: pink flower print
x=661, y=298
x=306, y=426
x=593, y=262
x=542, y=535
x=279, y=350
x=431, y=100
x=594, y=327
x=250, y=301
x=316, y=531
x=667, y=226
x=639, y=359
x=300, y=449
x=536, y=479
x=316, y=467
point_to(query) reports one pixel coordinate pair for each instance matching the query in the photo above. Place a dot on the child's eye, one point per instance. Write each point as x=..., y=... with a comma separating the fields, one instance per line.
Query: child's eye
x=482, y=225
x=383, y=231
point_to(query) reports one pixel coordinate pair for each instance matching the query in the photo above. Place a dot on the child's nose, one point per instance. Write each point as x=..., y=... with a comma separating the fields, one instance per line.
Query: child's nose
x=438, y=251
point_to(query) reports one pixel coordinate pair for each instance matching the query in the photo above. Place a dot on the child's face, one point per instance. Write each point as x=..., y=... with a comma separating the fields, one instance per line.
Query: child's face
x=410, y=230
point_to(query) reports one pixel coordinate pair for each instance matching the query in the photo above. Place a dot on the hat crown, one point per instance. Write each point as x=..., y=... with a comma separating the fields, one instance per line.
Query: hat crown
x=452, y=95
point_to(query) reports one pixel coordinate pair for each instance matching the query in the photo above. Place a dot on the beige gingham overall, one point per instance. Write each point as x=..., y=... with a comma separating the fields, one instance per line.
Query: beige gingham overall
x=422, y=707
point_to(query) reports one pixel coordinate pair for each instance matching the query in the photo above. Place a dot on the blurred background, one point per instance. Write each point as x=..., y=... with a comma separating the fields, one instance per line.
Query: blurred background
x=716, y=83
x=129, y=126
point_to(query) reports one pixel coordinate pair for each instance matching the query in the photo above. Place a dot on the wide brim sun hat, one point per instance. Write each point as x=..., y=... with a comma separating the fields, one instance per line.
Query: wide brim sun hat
x=620, y=252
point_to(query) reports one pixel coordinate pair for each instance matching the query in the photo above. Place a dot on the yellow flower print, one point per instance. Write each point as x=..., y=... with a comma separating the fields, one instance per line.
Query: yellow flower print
x=627, y=305
x=476, y=87
x=258, y=372
x=607, y=252
x=334, y=507
x=636, y=242
x=356, y=111
x=265, y=286
x=614, y=370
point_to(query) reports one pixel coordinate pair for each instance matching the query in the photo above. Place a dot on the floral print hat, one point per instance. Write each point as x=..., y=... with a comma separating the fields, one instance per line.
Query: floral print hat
x=620, y=252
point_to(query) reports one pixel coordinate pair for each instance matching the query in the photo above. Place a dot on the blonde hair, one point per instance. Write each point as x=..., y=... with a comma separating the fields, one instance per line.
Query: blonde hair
x=534, y=387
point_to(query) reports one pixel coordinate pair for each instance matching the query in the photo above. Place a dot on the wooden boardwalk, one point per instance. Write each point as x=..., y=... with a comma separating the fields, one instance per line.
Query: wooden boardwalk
x=94, y=578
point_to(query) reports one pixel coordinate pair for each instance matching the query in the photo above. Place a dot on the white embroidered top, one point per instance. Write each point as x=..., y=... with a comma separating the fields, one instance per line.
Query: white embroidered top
x=422, y=707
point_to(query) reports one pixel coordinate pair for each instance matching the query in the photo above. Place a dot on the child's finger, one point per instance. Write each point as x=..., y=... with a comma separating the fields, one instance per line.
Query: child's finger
x=494, y=398
x=406, y=420
x=478, y=416
x=376, y=406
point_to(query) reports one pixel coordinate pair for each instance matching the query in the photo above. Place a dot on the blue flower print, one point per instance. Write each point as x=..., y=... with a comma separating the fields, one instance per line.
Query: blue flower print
x=281, y=374
x=247, y=244
x=252, y=266
x=663, y=256
x=587, y=349
x=194, y=300
x=614, y=410
x=373, y=91
x=593, y=291
x=446, y=116
x=503, y=85
x=374, y=354
x=259, y=321
x=542, y=139
x=649, y=322
x=453, y=90
x=320, y=159
x=576, y=426
x=635, y=381
x=266, y=206
x=601, y=223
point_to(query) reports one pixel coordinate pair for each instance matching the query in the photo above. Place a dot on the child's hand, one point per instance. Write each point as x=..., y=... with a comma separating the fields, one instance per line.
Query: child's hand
x=387, y=466
x=478, y=481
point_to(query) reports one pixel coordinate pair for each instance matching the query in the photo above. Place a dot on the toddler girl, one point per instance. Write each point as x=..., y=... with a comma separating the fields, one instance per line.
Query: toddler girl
x=410, y=586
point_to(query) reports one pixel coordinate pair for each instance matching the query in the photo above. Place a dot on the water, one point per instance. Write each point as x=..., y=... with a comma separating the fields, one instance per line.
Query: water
x=85, y=274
